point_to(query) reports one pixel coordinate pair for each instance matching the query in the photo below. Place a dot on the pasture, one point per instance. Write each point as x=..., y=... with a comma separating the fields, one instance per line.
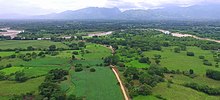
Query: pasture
x=175, y=61
x=40, y=44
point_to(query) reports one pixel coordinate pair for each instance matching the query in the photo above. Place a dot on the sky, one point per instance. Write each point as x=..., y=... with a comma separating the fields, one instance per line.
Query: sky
x=39, y=7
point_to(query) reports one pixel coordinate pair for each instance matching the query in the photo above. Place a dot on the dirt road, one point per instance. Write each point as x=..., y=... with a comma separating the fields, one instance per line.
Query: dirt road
x=117, y=74
x=115, y=70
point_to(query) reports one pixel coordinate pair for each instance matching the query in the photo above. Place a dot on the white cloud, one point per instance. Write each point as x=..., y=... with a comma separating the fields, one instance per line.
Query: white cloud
x=48, y=6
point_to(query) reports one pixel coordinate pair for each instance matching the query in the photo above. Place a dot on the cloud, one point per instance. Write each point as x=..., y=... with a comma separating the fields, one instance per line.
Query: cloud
x=49, y=6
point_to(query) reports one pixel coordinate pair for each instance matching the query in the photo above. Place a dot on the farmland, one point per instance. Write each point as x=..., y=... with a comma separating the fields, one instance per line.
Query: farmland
x=151, y=65
x=36, y=69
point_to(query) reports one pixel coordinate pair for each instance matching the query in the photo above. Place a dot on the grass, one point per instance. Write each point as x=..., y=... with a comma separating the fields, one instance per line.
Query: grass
x=10, y=70
x=145, y=98
x=181, y=79
x=136, y=64
x=174, y=61
x=39, y=62
x=97, y=52
x=178, y=92
x=99, y=85
x=43, y=44
x=8, y=88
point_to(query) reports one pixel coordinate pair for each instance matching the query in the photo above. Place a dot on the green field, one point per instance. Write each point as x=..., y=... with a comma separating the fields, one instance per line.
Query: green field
x=8, y=88
x=97, y=52
x=99, y=85
x=181, y=93
x=43, y=44
x=181, y=61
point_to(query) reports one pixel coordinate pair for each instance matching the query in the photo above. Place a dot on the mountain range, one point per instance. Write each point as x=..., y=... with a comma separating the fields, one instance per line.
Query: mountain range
x=171, y=12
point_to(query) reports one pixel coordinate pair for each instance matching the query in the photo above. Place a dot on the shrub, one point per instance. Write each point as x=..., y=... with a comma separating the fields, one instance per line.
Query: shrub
x=213, y=74
x=190, y=54
x=78, y=69
x=92, y=70
x=201, y=57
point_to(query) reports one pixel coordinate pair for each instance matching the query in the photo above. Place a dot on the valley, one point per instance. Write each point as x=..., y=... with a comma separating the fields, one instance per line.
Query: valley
x=117, y=63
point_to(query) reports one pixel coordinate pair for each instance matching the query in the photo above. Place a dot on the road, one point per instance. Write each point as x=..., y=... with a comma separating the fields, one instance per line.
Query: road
x=115, y=70
x=186, y=35
x=117, y=74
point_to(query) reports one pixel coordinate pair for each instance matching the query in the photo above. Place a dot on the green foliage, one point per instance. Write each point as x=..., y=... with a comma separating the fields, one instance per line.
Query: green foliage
x=145, y=90
x=190, y=54
x=213, y=74
x=203, y=88
x=145, y=60
x=78, y=69
x=92, y=70
x=177, y=50
x=20, y=76
x=111, y=60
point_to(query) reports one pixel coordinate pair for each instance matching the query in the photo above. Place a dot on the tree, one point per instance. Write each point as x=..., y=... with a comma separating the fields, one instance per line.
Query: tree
x=30, y=48
x=213, y=74
x=191, y=71
x=73, y=57
x=92, y=70
x=145, y=60
x=111, y=60
x=47, y=89
x=157, y=61
x=8, y=65
x=78, y=69
x=190, y=54
x=201, y=57
x=177, y=50
x=81, y=44
x=75, y=52
x=145, y=90
x=52, y=48
x=20, y=76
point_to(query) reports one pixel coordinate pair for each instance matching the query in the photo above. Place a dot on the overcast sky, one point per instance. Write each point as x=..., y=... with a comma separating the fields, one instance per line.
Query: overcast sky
x=36, y=7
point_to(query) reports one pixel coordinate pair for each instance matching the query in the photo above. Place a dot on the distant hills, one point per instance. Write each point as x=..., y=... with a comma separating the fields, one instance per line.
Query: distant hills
x=196, y=12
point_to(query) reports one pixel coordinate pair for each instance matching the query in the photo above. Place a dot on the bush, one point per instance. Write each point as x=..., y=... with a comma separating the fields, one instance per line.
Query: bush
x=145, y=60
x=92, y=70
x=20, y=77
x=206, y=62
x=145, y=90
x=78, y=69
x=213, y=74
x=177, y=50
x=75, y=53
x=203, y=88
x=190, y=54
x=201, y=57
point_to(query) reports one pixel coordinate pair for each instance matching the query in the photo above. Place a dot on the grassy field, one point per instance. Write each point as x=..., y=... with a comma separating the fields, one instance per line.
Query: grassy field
x=174, y=61
x=8, y=88
x=176, y=92
x=99, y=85
x=181, y=93
x=43, y=44
x=97, y=52
x=136, y=64
x=10, y=70
x=181, y=79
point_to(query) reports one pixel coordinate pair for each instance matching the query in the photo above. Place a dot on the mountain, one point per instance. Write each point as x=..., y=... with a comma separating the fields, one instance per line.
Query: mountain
x=86, y=13
x=196, y=12
x=167, y=12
